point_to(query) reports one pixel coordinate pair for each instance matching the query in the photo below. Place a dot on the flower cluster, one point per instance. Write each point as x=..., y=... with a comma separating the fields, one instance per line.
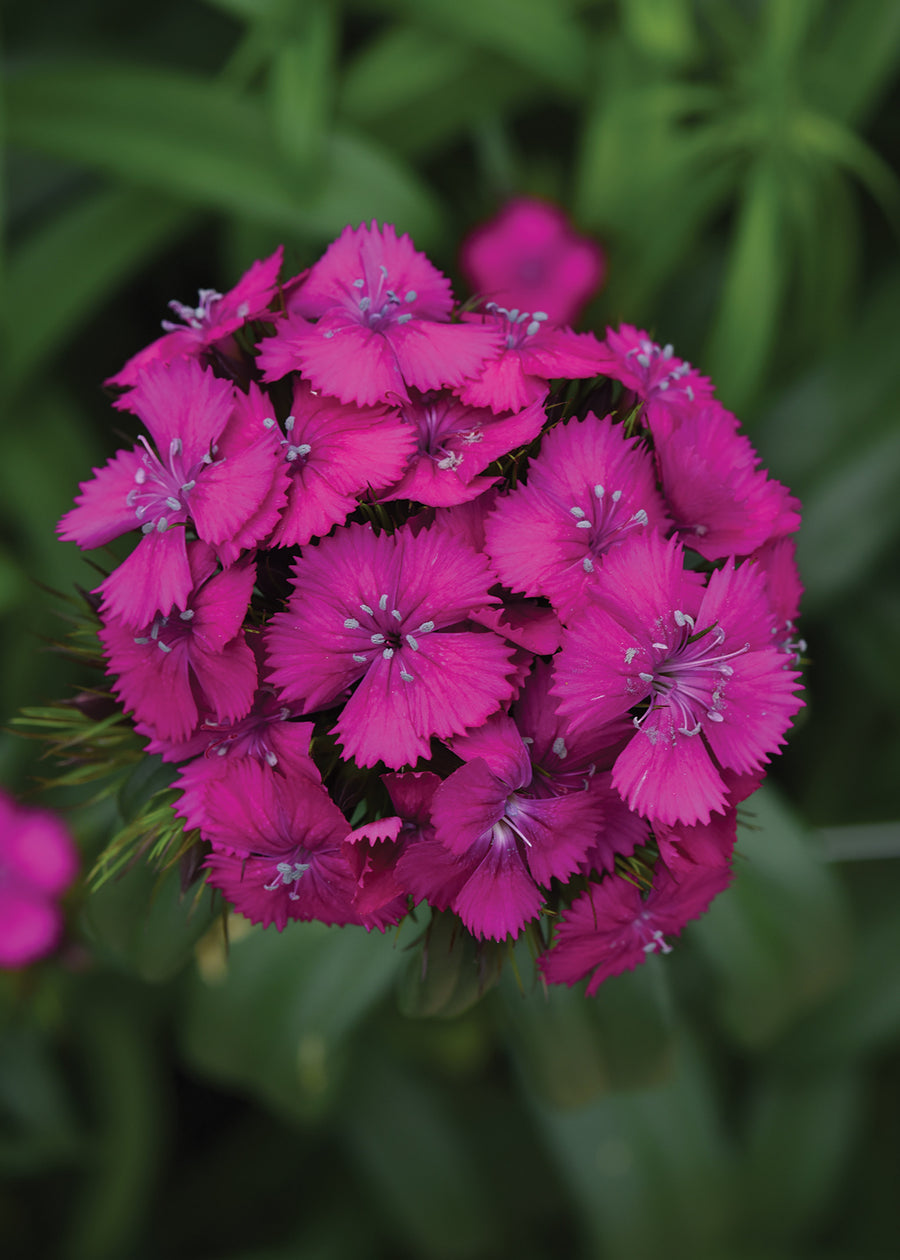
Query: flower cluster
x=447, y=606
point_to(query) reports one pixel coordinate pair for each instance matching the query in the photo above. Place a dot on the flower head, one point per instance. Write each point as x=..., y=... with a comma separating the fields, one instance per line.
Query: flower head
x=529, y=257
x=38, y=861
x=388, y=612
x=215, y=317
x=199, y=470
x=381, y=312
x=612, y=928
x=699, y=661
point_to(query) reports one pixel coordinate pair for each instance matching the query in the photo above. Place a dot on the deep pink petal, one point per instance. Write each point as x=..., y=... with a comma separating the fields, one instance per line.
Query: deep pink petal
x=101, y=510
x=156, y=577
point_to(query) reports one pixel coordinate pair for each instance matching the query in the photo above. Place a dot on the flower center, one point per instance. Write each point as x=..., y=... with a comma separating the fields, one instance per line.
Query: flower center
x=520, y=325
x=286, y=874
x=166, y=632
x=296, y=452
x=199, y=317
x=160, y=492
x=376, y=304
x=656, y=373
x=690, y=679
x=605, y=523
x=440, y=423
x=381, y=631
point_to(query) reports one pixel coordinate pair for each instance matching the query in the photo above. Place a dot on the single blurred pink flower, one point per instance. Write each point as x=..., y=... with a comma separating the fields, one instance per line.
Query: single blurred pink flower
x=530, y=257
x=38, y=861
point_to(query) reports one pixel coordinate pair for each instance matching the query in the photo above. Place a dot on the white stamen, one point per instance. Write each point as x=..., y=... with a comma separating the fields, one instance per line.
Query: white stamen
x=559, y=747
x=351, y=624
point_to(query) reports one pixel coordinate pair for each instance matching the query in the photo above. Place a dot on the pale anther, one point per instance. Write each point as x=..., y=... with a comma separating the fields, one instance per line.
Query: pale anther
x=351, y=624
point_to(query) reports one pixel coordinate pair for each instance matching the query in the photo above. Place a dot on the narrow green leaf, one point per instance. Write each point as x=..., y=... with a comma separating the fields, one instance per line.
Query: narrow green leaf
x=648, y=1169
x=662, y=29
x=272, y=1013
x=571, y=1048
x=778, y=939
x=856, y=58
x=838, y=545
x=193, y=138
x=79, y=257
x=396, y=69
x=145, y=924
x=448, y=972
x=413, y=1151
x=860, y=842
x=109, y=1214
x=746, y=323
x=801, y=1127
x=538, y=34
x=300, y=83
x=830, y=139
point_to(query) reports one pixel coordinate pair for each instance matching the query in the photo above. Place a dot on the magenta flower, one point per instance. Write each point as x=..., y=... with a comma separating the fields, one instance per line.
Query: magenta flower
x=721, y=501
x=532, y=352
x=567, y=761
x=455, y=442
x=381, y=310
x=194, y=659
x=333, y=453
x=588, y=490
x=700, y=659
x=266, y=734
x=507, y=838
x=200, y=472
x=38, y=861
x=654, y=373
x=215, y=317
x=388, y=612
x=529, y=257
x=278, y=848
x=611, y=928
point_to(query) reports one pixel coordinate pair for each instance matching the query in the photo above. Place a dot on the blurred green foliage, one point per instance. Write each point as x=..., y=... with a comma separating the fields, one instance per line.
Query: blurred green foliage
x=173, y=1093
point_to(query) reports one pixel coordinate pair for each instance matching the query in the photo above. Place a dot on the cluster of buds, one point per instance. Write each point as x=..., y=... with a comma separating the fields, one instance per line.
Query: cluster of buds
x=418, y=619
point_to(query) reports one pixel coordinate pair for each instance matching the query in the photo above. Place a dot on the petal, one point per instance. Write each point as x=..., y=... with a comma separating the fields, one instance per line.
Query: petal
x=102, y=511
x=156, y=577
x=666, y=775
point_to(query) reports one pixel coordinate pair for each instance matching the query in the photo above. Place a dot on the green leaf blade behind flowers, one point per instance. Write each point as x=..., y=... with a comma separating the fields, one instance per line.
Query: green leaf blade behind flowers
x=648, y=1169
x=746, y=323
x=570, y=1048
x=80, y=257
x=195, y=139
x=273, y=1012
x=778, y=940
x=538, y=35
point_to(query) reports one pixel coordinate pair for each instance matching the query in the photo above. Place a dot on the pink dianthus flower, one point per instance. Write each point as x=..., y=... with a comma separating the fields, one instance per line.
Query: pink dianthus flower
x=382, y=323
x=612, y=928
x=530, y=257
x=38, y=861
x=215, y=317
x=388, y=612
x=700, y=658
x=203, y=470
